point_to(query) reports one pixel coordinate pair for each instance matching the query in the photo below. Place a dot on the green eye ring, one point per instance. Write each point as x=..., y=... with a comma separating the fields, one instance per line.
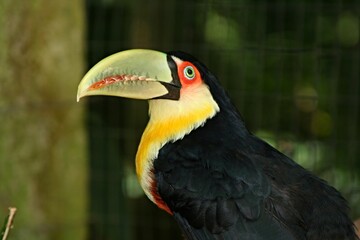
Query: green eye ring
x=189, y=72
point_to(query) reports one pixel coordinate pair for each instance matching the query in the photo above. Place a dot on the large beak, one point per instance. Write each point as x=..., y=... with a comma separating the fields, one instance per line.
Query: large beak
x=138, y=73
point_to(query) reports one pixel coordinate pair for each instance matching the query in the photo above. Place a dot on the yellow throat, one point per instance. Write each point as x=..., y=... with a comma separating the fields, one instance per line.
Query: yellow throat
x=171, y=121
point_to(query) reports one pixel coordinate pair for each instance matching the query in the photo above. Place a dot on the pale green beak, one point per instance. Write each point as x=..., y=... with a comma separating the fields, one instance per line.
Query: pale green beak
x=137, y=73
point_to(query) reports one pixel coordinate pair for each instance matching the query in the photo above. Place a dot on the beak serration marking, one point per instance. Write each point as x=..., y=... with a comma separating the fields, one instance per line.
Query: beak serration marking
x=117, y=78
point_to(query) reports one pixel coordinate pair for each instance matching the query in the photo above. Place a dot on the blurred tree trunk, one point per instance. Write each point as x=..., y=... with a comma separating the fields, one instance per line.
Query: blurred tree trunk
x=42, y=160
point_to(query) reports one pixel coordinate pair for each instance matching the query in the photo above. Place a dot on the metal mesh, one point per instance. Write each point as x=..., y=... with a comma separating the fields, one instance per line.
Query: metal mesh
x=291, y=68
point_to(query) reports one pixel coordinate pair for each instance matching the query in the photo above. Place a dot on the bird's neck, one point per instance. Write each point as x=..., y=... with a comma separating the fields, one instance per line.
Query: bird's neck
x=169, y=121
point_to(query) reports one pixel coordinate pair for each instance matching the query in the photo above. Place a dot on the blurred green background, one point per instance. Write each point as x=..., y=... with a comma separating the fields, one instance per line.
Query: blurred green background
x=291, y=67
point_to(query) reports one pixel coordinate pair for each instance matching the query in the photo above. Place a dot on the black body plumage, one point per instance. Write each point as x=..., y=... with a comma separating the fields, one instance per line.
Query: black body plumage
x=222, y=182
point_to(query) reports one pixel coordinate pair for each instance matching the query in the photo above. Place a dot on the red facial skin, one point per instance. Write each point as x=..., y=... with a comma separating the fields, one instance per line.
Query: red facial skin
x=186, y=82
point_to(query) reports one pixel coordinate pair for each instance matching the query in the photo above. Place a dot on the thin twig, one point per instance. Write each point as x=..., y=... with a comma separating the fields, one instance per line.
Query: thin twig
x=8, y=223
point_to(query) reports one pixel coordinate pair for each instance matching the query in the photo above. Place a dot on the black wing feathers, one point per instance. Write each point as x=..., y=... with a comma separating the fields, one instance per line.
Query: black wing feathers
x=224, y=193
x=216, y=192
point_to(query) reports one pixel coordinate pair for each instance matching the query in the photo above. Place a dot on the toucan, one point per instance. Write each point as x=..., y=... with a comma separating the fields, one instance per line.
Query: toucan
x=197, y=160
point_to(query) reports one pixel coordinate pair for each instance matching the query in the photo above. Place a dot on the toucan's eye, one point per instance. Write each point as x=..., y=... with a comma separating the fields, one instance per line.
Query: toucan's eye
x=189, y=72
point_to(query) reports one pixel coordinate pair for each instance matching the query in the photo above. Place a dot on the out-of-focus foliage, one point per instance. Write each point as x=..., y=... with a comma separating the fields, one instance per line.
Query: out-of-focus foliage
x=42, y=143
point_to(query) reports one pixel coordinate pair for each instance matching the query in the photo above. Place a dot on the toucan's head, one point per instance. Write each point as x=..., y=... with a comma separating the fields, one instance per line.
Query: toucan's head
x=175, y=83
